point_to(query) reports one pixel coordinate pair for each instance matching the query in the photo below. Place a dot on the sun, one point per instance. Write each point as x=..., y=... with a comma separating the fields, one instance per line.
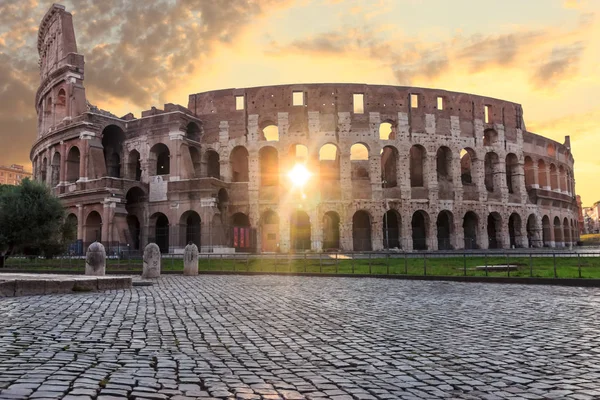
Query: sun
x=299, y=175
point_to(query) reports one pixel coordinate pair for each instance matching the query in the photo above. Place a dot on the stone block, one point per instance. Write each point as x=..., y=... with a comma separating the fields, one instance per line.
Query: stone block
x=152, y=261
x=59, y=286
x=114, y=283
x=190, y=260
x=95, y=260
x=85, y=285
x=29, y=287
x=7, y=289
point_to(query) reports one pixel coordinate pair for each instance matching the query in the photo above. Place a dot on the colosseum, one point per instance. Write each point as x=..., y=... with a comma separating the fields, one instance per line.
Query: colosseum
x=386, y=167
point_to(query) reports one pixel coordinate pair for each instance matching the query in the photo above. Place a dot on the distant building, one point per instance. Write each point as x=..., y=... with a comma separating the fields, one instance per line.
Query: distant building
x=591, y=216
x=13, y=175
x=580, y=215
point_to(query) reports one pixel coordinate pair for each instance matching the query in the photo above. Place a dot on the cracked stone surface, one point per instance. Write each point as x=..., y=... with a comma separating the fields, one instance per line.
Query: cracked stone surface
x=277, y=337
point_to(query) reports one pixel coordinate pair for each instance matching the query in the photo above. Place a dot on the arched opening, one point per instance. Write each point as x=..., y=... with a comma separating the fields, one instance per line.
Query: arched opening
x=558, y=234
x=239, y=164
x=387, y=131
x=55, y=170
x=190, y=224
x=490, y=137
x=133, y=227
x=542, y=175
x=161, y=231
x=135, y=166
x=467, y=157
x=533, y=232
x=160, y=160
x=546, y=232
x=445, y=230
x=269, y=166
x=494, y=230
x=359, y=161
x=331, y=231
x=223, y=199
x=361, y=231
x=491, y=165
x=470, y=225
x=270, y=132
x=298, y=154
x=512, y=173
x=551, y=150
x=196, y=161
x=514, y=230
x=112, y=142
x=529, y=172
x=391, y=230
x=419, y=230
x=562, y=179
x=567, y=238
x=44, y=170
x=300, y=231
x=389, y=167
x=93, y=228
x=553, y=177
x=192, y=131
x=73, y=160
x=242, y=232
x=417, y=166
x=270, y=231
x=213, y=164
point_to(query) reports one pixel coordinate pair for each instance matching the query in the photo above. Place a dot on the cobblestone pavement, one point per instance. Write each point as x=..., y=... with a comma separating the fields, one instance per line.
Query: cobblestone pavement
x=277, y=337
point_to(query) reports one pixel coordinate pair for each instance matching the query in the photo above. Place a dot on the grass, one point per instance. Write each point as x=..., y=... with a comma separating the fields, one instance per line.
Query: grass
x=538, y=265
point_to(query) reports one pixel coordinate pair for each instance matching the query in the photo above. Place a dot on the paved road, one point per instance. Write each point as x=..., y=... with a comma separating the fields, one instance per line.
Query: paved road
x=274, y=337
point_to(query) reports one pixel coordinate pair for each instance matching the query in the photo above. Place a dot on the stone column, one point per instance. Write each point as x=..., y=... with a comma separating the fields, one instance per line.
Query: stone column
x=430, y=178
x=407, y=232
x=432, y=243
x=345, y=175
x=536, y=178
x=504, y=234
x=482, y=235
x=176, y=138
x=80, y=222
x=458, y=237
x=84, y=159
x=375, y=175
x=478, y=175
x=316, y=231
x=63, y=164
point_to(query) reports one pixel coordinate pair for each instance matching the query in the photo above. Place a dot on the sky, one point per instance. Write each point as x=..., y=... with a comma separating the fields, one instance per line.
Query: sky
x=543, y=54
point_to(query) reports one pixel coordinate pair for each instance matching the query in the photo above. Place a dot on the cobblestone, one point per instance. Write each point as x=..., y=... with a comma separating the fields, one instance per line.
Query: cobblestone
x=277, y=337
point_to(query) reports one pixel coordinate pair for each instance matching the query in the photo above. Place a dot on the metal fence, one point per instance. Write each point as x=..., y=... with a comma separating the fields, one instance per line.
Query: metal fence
x=580, y=263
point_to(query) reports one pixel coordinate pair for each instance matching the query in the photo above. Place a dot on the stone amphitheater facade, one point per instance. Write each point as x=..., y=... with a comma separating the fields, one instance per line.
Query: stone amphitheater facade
x=392, y=167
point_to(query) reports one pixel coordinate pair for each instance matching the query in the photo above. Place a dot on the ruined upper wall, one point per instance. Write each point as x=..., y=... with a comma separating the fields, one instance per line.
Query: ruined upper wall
x=56, y=39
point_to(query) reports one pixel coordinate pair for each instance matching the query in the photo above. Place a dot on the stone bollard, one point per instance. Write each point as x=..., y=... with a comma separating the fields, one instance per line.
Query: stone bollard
x=95, y=260
x=190, y=260
x=151, y=261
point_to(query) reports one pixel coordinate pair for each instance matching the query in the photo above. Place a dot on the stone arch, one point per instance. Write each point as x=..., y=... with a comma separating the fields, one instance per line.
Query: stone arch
x=112, y=143
x=239, y=164
x=298, y=154
x=420, y=229
x=553, y=177
x=512, y=173
x=515, y=230
x=44, y=170
x=93, y=228
x=445, y=230
x=329, y=162
x=551, y=149
x=542, y=176
x=494, y=230
x=567, y=234
x=269, y=226
x=418, y=156
x=300, y=229
x=467, y=157
x=491, y=164
x=558, y=234
x=160, y=160
x=60, y=110
x=72, y=222
x=562, y=179
x=73, y=161
x=160, y=222
x=387, y=130
x=389, y=167
x=55, y=169
x=392, y=223
x=269, y=166
x=243, y=235
x=191, y=228
x=134, y=232
x=443, y=161
x=269, y=131
x=213, y=164
x=490, y=136
x=331, y=230
x=135, y=166
x=361, y=231
x=546, y=232
x=529, y=172
x=192, y=131
x=470, y=228
x=359, y=161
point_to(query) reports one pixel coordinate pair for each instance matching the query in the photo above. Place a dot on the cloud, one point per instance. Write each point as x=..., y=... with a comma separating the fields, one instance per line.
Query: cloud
x=563, y=62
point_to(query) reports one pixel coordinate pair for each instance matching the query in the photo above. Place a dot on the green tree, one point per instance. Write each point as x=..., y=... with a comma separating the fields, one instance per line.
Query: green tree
x=32, y=222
